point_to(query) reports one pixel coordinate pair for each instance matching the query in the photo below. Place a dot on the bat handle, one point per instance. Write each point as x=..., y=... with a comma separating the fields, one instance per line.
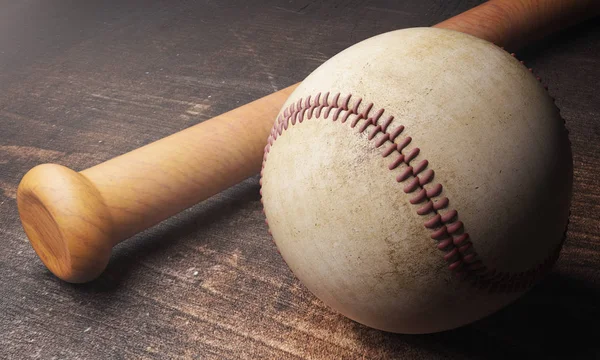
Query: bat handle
x=73, y=219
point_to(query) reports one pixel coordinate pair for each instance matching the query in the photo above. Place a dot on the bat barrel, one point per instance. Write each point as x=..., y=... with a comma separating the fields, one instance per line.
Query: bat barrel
x=515, y=23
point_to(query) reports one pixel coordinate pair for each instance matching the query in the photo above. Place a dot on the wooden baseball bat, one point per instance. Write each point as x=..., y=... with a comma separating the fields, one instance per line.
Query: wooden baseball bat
x=73, y=219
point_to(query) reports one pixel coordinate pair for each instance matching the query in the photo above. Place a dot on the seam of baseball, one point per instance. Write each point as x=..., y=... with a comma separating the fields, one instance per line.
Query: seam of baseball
x=446, y=228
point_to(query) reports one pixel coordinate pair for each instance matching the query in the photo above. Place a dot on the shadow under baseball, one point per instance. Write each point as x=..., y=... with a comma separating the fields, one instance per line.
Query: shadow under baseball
x=556, y=319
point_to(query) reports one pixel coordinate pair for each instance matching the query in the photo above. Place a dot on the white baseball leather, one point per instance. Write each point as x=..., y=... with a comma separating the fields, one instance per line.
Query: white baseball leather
x=449, y=210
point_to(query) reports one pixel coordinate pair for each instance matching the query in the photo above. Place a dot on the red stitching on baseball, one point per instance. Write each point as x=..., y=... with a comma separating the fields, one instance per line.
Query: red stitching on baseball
x=446, y=228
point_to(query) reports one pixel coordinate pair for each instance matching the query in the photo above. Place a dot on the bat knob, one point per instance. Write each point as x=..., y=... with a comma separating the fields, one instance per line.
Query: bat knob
x=67, y=222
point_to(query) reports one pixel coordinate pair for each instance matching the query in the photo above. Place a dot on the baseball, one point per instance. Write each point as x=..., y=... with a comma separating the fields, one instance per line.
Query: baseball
x=418, y=181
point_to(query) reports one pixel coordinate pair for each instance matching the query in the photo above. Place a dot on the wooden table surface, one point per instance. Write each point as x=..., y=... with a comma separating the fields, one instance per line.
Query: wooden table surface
x=82, y=82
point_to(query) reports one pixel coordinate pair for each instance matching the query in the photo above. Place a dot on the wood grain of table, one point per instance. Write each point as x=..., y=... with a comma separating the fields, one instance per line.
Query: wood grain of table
x=82, y=82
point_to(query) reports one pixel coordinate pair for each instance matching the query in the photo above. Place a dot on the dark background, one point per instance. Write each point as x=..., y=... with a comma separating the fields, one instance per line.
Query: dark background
x=82, y=82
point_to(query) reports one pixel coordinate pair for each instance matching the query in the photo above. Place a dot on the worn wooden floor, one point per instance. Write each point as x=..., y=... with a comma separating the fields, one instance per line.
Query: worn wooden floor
x=81, y=83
